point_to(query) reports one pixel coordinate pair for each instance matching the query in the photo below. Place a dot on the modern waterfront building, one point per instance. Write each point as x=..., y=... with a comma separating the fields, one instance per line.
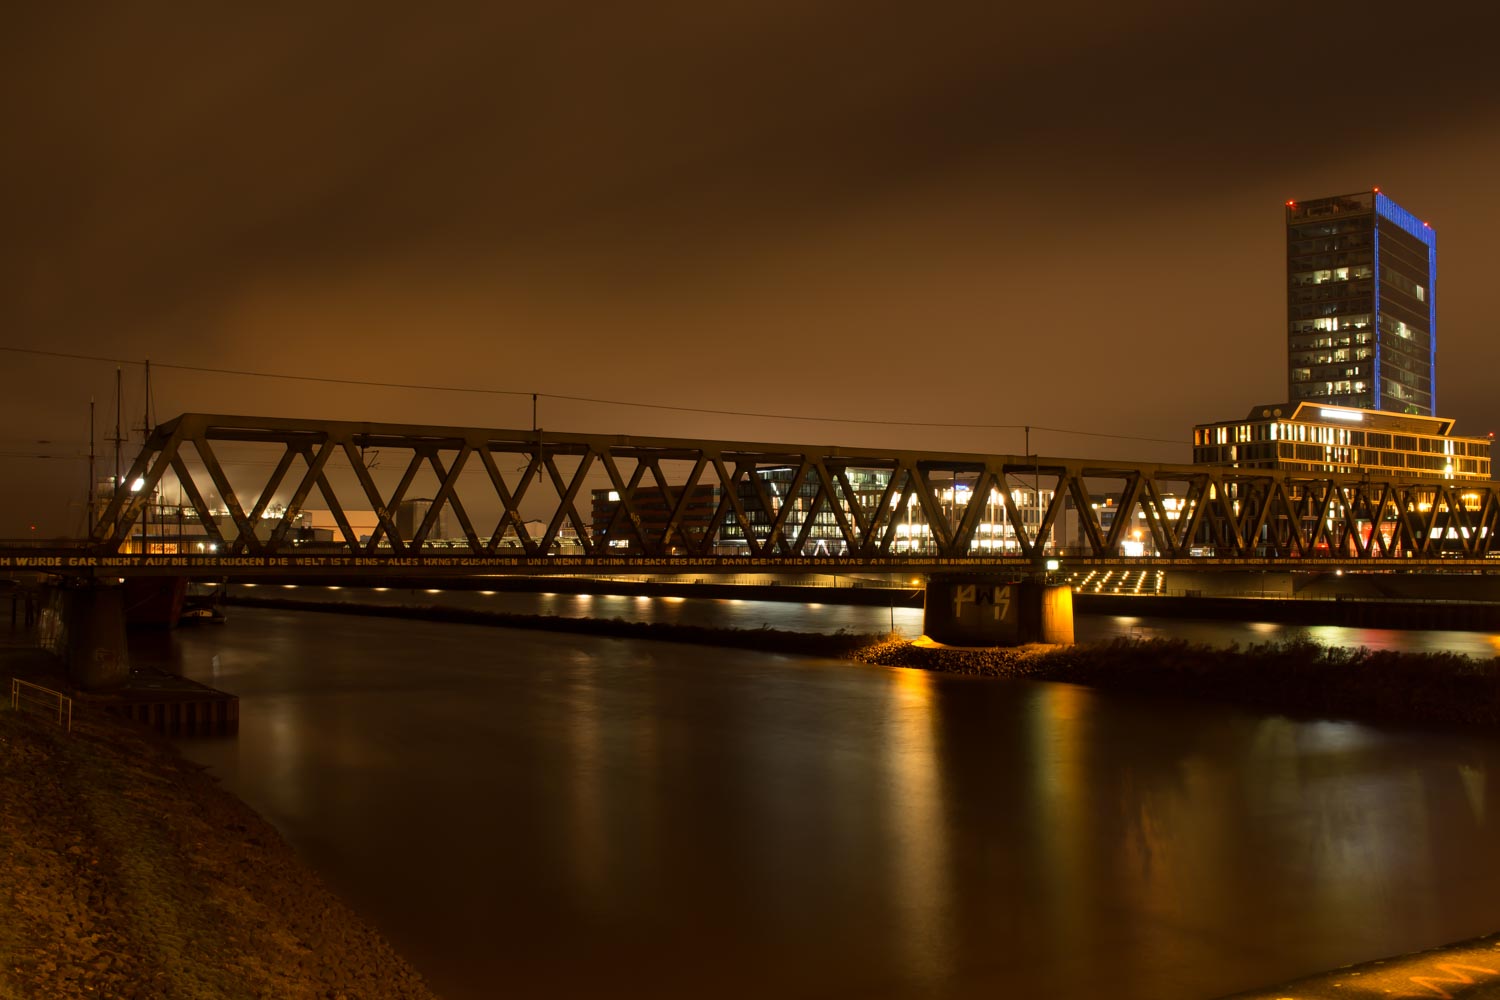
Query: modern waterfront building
x=610, y=527
x=810, y=525
x=412, y=514
x=909, y=530
x=1316, y=437
x=1361, y=304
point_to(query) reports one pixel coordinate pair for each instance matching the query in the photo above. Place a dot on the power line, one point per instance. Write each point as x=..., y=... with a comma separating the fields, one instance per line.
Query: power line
x=563, y=397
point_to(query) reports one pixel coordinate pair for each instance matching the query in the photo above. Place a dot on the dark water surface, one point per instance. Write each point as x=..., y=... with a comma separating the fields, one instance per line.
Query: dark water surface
x=796, y=617
x=535, y=814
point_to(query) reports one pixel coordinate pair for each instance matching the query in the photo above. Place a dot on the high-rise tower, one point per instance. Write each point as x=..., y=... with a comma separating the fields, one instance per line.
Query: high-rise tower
x=1361, y=304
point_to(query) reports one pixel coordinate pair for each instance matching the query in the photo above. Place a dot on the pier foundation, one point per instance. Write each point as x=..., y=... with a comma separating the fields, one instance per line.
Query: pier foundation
x=978, y=610
x=84, y=626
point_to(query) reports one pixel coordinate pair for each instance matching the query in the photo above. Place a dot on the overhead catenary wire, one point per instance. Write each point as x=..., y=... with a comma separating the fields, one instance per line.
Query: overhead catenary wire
x=593, y=400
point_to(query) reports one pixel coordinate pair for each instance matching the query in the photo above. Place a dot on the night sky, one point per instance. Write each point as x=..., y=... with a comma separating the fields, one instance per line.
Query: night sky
x=1068, y=216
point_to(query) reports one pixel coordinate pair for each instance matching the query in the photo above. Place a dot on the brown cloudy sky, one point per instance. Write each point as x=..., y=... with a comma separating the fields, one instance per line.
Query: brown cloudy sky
x=1067, y=216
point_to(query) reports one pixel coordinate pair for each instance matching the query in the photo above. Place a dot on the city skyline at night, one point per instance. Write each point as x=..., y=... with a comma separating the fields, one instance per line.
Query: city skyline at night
x=985, y=219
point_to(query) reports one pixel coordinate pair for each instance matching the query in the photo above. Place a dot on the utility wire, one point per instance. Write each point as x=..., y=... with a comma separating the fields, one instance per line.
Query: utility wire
x=563, y=397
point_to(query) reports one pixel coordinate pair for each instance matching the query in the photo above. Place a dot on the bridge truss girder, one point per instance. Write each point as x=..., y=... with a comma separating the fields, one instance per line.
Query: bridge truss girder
x=697, y=502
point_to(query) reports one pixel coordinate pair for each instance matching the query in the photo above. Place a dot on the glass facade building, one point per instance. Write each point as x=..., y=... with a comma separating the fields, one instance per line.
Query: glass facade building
x=1361, y=304
x=910, y=532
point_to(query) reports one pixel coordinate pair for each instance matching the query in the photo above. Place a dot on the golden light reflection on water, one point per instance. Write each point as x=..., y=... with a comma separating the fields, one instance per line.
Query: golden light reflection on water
x=1474, y=782
x=1056, y=787
x=589, y=860
x=920, y=862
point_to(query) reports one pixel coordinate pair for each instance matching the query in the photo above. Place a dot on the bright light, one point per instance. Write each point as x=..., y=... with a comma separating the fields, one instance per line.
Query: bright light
x=1351, y=415
x=1053, y=565
x=138, y=485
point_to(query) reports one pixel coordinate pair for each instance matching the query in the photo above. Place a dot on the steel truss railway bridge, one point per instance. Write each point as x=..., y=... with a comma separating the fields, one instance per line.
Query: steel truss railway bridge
x=246, y=496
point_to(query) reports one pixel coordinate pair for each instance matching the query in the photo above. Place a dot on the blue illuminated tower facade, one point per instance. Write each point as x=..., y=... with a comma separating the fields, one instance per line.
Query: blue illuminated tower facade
x=1361, y=304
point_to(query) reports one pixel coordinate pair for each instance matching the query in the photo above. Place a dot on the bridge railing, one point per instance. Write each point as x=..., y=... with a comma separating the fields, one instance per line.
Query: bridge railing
x=271, y=487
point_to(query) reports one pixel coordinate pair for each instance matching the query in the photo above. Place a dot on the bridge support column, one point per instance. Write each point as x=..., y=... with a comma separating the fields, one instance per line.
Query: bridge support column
x=85, y=627
x=974, y=609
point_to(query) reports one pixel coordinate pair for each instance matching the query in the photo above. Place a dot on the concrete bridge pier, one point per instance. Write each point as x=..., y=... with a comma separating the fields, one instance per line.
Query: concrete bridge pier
x=977, y=609
x=84, y=625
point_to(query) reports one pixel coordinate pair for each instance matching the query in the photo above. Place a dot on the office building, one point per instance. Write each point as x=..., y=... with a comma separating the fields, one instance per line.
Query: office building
x=1313, y=437
x=1361, y=305
x=612, y=529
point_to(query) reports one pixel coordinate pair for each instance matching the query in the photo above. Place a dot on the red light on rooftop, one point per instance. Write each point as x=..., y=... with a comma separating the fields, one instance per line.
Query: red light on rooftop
x=1427, y=224
x=1291, y=204
x=1377, y=190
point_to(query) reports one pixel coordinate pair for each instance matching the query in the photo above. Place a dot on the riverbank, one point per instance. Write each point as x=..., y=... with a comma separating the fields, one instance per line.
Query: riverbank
x=130, y=873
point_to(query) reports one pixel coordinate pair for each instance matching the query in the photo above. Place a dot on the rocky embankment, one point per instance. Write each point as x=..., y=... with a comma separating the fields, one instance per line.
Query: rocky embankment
x=1293, y=678
x=127, y=872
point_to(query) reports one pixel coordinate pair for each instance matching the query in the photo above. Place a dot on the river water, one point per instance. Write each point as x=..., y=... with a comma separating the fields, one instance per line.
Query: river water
x=541, y=814
x=813, y=617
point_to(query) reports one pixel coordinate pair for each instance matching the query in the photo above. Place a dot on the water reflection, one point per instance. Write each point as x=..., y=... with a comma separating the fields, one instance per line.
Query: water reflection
x=818, y=617
x=585, y=792
x=919, y=864
x=711, y=612
x=573, y=816
x=1096, y=628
